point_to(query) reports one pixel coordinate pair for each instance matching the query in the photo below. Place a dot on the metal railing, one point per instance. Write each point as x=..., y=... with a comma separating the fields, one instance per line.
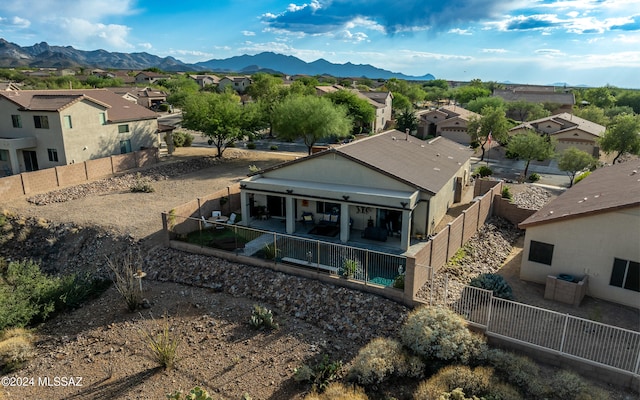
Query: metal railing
x=573, y=336
x=367, y=266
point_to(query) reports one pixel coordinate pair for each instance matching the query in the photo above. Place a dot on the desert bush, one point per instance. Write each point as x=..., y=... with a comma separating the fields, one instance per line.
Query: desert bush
x=506, y=193
x=534, y=177
x=398, y=282
x=124, y=270
x=181, y=139
x=519, y=371
x=15, y=350
x=382, y=358
x=338, y=391
x=462, y=382
x=483, y=171
x=569, y=385
x=320, y=375
x=163, y=345
x=581, y=177
x=262, y=318
x=270, y=252
x=197, y=393
x=142, y=184
x=494, y=282
x=253, y=168
x=273, y=147
x=437, y=333
x=251, y=146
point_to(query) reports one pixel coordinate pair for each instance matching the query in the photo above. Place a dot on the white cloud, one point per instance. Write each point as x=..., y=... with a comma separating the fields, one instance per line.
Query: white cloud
x=347, y=36
x=460, y=31
x=248, y=33
x=628, y=39
x=87, y=33
x=494, y=51
x=146, y=46
x=550, y=52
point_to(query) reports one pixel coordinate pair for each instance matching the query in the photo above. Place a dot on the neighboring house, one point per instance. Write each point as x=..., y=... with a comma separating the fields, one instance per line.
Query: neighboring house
x=389, y=183
x=6, y=86
x=147, y=77
x=592, y=229
x=568, y=130
x=205, y=80
x=449, y=121
x=381, y=101
x=145, y=97
x=532, y=94
x=46, y=128
x=237, y=83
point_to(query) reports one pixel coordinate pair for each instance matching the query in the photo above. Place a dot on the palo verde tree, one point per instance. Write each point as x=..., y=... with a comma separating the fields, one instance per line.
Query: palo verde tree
x=493, y=121
x=311, y=118
x=530, y=146
x=219, y=116
x=622, y=136
x=359, y=110
x=573, y=160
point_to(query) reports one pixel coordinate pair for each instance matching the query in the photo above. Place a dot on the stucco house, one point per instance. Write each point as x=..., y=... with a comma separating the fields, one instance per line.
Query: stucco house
x=568, y=130
x=47, y=128
x=237, y=83
x=205, y=80
x=146, y=97
x=592, y=229
x=147, y=77
x=385, y=184
x=449, y=121
x=564, y=100
x=380, y=101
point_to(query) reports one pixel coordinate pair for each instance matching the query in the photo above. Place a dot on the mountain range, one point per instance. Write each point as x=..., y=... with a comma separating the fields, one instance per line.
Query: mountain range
x=42, y=55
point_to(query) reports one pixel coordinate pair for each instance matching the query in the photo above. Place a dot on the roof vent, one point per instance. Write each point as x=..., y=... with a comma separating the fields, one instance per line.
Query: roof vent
x=634, y=172
x=436, y=169
x=393, y=138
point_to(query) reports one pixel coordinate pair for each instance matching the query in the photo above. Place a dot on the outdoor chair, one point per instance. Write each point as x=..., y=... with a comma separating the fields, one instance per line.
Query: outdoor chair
x=205, y=224
x=232, y=219
x=307, y=217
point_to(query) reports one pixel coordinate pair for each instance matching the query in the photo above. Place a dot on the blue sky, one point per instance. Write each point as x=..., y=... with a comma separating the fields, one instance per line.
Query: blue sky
x=591, y=42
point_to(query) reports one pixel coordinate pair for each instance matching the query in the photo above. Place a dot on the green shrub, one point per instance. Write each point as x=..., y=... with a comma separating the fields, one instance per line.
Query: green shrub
x=262, y=318
x=506, y=193
x=164, y=344
x=398, y=282
x=439, y=334
x=483, y=171
x=474, y=144
x=382, y=358
x=270, y=252
x=251, y=145
x=534, y=177
x=581, y=177
x=142, y=184
x=319, y=375
x=273, y=147
x=351, y=268
x=338, y=391
x=519, y=371
x=495, y=283
x=475, y=382
x=197, y=393
x=231, y=145
x=181, y=139
x=569, y=385
x=164, y=107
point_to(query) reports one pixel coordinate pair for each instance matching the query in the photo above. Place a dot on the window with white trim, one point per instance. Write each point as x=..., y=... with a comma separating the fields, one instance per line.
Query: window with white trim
x=41, y=121
x=625, y=274
x=123, y=128
x=53, y=155
x=16, y=120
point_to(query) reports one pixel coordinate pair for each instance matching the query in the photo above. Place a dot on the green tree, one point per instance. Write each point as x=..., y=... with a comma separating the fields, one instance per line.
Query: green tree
x=217, y=116
x=593, y=114
x=478, y=104
x=622, y=136
x=361, y=112
x=493, y=121
x=310, y=118
x=526, y=111
x=630, y=98
x=531, y=146
x=465, y=94
x=267, y=90
x=439, y=83
x=407, y=120
x=400, y=102
x=573, y=161
x=600, y=97
x=179, y=88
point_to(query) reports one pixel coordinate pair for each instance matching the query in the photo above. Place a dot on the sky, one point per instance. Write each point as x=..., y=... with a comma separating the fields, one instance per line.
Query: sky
x=578, y=42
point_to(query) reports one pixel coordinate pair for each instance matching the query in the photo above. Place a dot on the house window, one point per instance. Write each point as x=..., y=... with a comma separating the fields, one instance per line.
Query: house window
x=16, y=120
x=41, y=121
x=540, y=252
x=53, y=154
x=103, y=118
x=4, y=155
x=625, y=274
x=67, y=121
x=327, y=208
x=123, y=128
x=125, y=146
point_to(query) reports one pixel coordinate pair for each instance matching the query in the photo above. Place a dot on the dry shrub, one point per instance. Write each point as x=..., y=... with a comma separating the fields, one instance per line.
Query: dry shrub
x=17, y=332
x=164, y=344
x=472, y=382
x=437, y=333
x=569, y=385
x=519, y=371
x=123, y=274
x=381, y=358
x=15, y=352
x=338, y=391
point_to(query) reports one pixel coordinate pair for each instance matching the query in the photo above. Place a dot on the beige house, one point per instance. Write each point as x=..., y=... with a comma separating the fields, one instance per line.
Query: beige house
x=592, y=229
x=46, y=128
x=148, y=77
x=205, y=80
x=386, y=184
x=237, y=83
x=449, y=121
x=568, y=130
x=145, y=97
x=564, y=100
x=380, y=101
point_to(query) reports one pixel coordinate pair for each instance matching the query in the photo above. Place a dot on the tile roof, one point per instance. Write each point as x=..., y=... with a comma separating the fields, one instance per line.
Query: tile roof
x=606, y=189
x=428, y=165
x=535, y=97
x=567, y=122
x=118, y=108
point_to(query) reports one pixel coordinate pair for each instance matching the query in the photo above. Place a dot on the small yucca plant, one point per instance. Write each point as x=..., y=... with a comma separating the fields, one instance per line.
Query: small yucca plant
x=262, y=318
x=163, y=345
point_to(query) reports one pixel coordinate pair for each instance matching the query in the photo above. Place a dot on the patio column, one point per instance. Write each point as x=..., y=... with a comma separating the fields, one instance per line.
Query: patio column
x=244, y=208
x=345, y=229
x=405, y=234
x=13, y=159
x=290, y=213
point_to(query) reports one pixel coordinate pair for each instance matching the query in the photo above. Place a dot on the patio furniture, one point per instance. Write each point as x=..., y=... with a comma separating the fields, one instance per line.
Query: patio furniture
x=375, y=233
x=329, y=219
x=205, y=223
x=232, y=219
x=307, y=217
x=216, y=216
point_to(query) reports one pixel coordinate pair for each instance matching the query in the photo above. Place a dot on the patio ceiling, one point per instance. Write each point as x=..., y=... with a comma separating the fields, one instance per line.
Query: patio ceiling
x=333, y=192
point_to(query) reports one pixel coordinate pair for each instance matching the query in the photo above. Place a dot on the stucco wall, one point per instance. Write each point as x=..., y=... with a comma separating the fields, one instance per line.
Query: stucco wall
x=588, y=246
